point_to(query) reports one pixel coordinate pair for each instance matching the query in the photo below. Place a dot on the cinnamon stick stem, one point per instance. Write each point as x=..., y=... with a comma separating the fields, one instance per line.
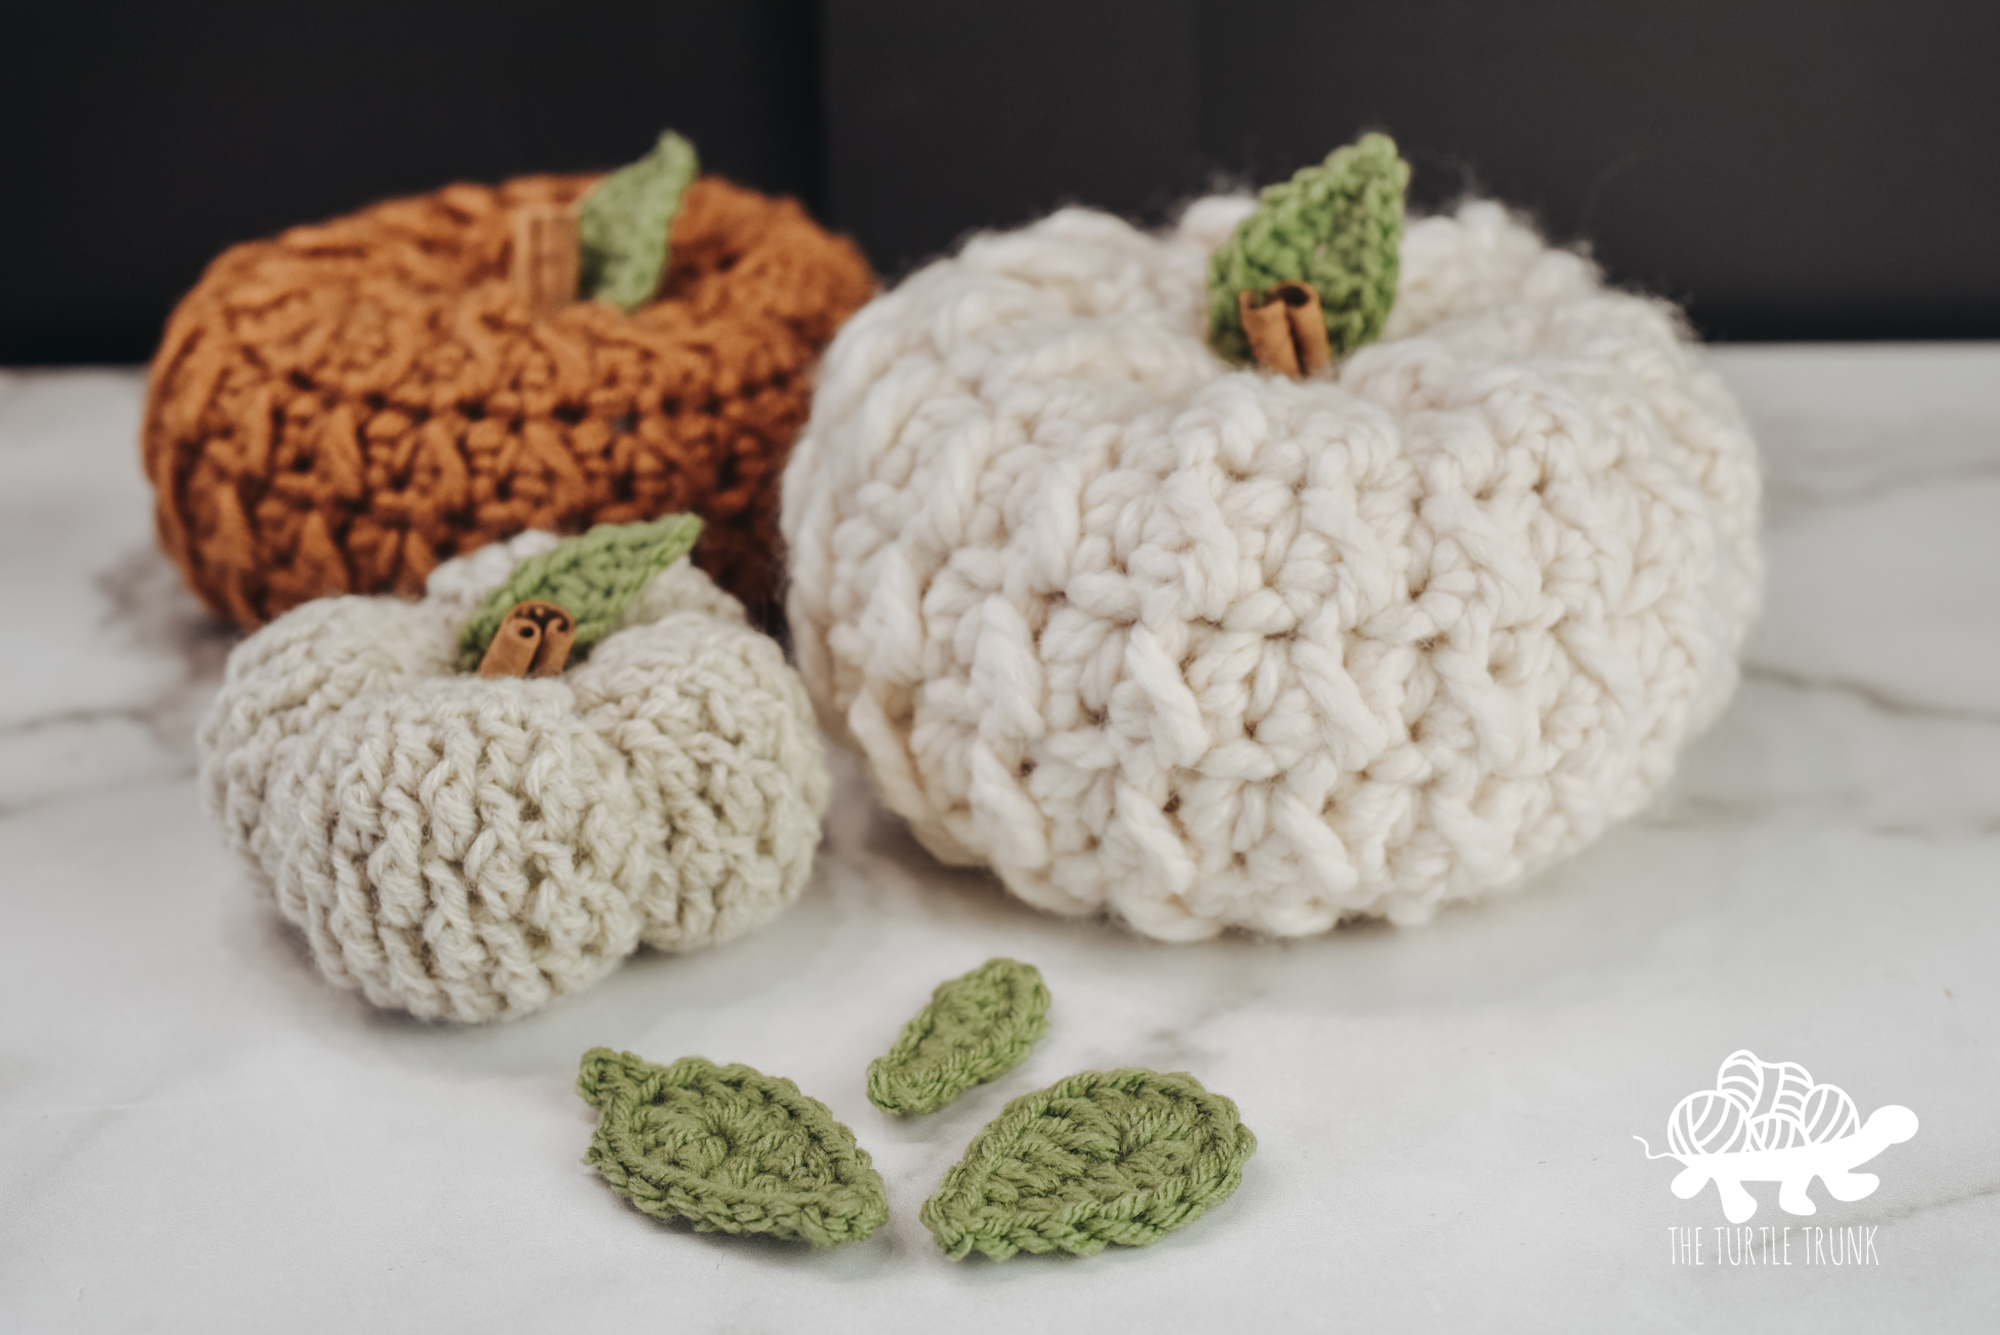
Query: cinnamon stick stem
x=533, y=641
x=1269, y=332
x=1286, y=329
x=543, y=266
x=1308, y=326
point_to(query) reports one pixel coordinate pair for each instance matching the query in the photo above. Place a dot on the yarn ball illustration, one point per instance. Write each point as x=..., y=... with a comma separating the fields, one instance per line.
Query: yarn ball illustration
x=1708, y=1122
x=1760, y=1105
x=1201, y=647
x=472, y=849
x=340, y=408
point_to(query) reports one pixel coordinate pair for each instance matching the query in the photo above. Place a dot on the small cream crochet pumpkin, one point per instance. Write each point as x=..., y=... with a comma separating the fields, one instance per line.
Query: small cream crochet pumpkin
x=1155, y=635
x=472, y=849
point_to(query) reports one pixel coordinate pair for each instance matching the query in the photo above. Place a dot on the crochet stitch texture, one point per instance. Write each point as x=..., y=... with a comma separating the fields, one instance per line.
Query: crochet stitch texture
x=976, y=1028
x=729, y=1150
x=1337, y=226
x=624, y=226
x=591, y=577
x=1150, y=634
x=471, y=848
x=342, y=407
x=1102, y=1157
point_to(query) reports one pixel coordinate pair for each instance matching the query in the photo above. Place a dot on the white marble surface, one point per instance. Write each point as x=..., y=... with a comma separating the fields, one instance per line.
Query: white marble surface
x=197, y=1133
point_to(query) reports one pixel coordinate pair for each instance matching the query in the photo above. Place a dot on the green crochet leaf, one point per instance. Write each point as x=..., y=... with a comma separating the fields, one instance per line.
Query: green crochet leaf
x=1102, y=1157
x=1338, y=227
x=728, y=1150
x=624, y=225
x=976, y=1028
x=590, y=577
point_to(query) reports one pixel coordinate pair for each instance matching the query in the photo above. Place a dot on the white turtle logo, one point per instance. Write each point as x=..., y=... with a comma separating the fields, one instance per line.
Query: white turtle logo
x=1768, y=1122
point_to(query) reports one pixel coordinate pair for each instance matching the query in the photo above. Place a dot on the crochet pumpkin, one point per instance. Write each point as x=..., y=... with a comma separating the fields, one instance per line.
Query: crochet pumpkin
x=341, y=408
x=472, y=847
x=1154, y=633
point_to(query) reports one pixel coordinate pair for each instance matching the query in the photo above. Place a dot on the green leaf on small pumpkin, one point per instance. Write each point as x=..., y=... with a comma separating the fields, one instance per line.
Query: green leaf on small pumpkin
x=591, y=577
x=976, y=1028
x=1337, y=227
x=728, y=1149
x=624, y=225
x=1102, y=1157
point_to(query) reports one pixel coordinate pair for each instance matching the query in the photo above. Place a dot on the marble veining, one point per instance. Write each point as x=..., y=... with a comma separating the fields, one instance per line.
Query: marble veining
x=196, y=1132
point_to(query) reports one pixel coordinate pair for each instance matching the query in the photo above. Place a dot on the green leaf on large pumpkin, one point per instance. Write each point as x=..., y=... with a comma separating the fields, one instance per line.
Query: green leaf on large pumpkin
x=1338, y=227
x=976, y=1028
x=625, y=224
x=591, y=577
x=1102, y=1157
x=728, y=1149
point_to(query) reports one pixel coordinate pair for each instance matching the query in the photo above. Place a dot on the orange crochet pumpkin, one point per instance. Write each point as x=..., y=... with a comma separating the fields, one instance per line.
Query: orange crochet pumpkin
x=341, y=408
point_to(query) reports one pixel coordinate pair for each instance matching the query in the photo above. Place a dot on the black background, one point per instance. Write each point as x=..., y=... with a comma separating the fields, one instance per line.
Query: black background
x=1812, y=169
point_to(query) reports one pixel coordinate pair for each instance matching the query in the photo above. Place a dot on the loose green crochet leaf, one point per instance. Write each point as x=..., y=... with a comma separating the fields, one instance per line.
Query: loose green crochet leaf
x=1102, y=1157
x=1338, y=227
x=591, y=577
x=728, y=1150
x=624, y=225
x=976, y=1028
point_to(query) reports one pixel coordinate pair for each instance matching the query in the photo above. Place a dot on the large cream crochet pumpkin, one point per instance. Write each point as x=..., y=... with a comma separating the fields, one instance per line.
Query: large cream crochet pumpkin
x=1201, y=647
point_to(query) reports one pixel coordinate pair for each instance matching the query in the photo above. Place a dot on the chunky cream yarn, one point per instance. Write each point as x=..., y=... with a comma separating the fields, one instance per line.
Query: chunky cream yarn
x=1204, y=648
x=473, y=849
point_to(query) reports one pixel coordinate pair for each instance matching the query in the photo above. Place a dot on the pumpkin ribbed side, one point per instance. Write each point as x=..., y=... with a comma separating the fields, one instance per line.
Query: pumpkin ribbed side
x=474, y=849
